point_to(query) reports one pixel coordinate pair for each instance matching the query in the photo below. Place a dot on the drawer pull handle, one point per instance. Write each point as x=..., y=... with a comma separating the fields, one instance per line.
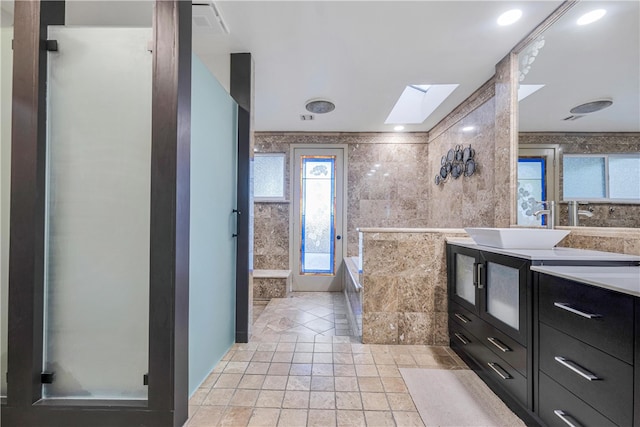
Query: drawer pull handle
x=498, y=370
x=462, y=338
x=462, y=318
x=575, y=368
x=567, y=307
x=498, y=344
x=568, y=420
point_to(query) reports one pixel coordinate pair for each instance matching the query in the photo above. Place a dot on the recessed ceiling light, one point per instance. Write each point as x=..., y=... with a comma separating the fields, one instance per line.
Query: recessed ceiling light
x=372, y=171
x=591, y=17
x=467, y=129
x=385, y=174
x=398, y=128
x=509, y=17
x=377, y=165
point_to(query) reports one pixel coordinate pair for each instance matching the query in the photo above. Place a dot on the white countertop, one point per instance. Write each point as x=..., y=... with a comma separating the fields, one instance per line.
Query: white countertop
x=554, y=254
x=620, y=279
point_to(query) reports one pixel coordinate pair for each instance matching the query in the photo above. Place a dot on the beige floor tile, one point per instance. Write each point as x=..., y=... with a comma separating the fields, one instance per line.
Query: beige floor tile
x=348, y=400
x=207, y=416
x=345, y=371
x=299, y=383
x=275, y=382
x=370, y=384
x=321, y=418
x=322, y=369
x=304, y=347
x=219, y=396
x=289, y=338
x=257, y=368
x=220, y=366
x=286, y=346
x=346, y=383
x=341, y=347
x=300, y=369
x=292, y=418
x=343, y=358
x=236, y=416
x=235, y=367
x=199, y=396
x=383, y=359
x=302, y=357
x=244, y=398
x=360, y=348
x=401, y=402
x=242, y=356
x=380, y=348
x=374, y=402
x=210, y=381
x=408, y=419
x=322, y=383
x=267, y=346
x=320, y=347
x=394, y=385
x=350, y=419
x=388, y=371
x=270, y=399
x=264, y=417
x=251, y=381
x=282, y=357
x=363, y=359
x=262, y=356
x=193, y=409
x=379, y=419
x=279, y=369
x=366, y=370
x=322, y=400
x=296, y=399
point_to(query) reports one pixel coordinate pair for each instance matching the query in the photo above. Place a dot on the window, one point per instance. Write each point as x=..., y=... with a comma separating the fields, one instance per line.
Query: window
x=268, y=172
x=601, y=177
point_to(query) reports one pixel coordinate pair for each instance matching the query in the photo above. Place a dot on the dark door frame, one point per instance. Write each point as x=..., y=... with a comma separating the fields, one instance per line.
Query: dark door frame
x=167, y=403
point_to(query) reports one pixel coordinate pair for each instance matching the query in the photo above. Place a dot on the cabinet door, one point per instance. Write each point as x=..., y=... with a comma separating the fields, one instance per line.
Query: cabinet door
x=463, y=277
x=503, y=288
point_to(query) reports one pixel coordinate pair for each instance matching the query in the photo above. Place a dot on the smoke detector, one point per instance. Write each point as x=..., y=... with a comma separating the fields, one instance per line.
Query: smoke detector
x=320, y=106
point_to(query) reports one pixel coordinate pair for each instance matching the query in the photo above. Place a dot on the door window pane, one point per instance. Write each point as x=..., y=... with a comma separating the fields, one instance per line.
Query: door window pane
x=465, y=288
x=503, y=301
x=317, y=201
x=531, y=188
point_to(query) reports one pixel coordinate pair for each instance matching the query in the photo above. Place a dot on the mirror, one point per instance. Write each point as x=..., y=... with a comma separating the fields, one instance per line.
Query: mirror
x=566, y=66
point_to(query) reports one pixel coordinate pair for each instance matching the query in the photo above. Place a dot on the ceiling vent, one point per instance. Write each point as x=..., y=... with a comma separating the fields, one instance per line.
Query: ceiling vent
x=208, y=20
x=306, y=117
x=572, y=118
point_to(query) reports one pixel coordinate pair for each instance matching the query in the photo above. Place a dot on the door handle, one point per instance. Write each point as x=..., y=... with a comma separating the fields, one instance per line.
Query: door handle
x=338, y=237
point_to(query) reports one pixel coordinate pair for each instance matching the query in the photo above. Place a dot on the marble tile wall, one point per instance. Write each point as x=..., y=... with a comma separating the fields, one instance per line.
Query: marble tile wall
x=604, y=214
x=620, y=240
x=395, y=196
x=404, y=279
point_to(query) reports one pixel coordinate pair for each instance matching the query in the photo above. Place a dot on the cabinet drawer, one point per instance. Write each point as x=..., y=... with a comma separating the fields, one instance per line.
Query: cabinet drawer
x=554, y=400
x=508, y=349
x=492, y=366
x=569, y=361
x=596, y=316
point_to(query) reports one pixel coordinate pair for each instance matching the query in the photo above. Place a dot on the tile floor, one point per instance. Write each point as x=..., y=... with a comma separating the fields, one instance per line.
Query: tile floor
x=301, y=368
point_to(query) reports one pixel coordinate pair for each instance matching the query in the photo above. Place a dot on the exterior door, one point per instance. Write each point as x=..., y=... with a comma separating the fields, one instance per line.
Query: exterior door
x=317, y=218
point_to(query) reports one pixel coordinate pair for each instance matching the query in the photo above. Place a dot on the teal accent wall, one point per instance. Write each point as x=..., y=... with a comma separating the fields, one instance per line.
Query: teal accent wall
x=212, y=248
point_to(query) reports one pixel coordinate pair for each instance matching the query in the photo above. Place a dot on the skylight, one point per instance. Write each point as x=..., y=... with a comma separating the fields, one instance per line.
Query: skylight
x=526, y=90
x=418, y=101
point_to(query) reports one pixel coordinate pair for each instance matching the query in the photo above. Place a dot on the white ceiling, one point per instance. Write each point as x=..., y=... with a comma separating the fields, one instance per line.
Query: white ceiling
x=362, y=54
x=582, y=64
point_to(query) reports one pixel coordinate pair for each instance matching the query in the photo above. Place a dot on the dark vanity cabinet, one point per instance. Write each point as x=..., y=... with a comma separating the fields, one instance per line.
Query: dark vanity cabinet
x=557, y=352
x=585, y=352
x=489, y=317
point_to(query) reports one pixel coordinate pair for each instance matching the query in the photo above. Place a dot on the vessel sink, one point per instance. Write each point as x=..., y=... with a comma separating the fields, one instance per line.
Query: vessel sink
x=517, y=238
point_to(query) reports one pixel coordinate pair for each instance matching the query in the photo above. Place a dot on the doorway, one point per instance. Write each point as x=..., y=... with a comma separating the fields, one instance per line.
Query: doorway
x=316, y=227
x=537, y=181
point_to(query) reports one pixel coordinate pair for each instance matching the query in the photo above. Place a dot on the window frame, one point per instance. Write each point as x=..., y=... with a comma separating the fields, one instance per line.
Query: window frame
x=607, y=183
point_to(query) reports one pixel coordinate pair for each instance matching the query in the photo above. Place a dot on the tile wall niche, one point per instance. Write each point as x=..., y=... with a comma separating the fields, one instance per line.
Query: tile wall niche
x=604, y=214
x=398, y=199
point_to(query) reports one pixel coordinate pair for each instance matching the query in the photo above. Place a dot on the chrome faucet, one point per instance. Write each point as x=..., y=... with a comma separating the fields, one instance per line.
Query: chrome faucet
x=550, y=212
x=574, y=213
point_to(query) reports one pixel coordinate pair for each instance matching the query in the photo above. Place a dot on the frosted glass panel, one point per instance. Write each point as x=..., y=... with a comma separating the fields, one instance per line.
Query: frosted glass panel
x=624, y=178
x=584, y=177
x=503, y=289
x=98, y=204
x=268, y=176
x=318, y=211
x=464, y=278
x=531, y=188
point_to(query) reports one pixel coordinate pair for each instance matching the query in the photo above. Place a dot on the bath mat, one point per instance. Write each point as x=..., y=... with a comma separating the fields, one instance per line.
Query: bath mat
x=456, y=398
